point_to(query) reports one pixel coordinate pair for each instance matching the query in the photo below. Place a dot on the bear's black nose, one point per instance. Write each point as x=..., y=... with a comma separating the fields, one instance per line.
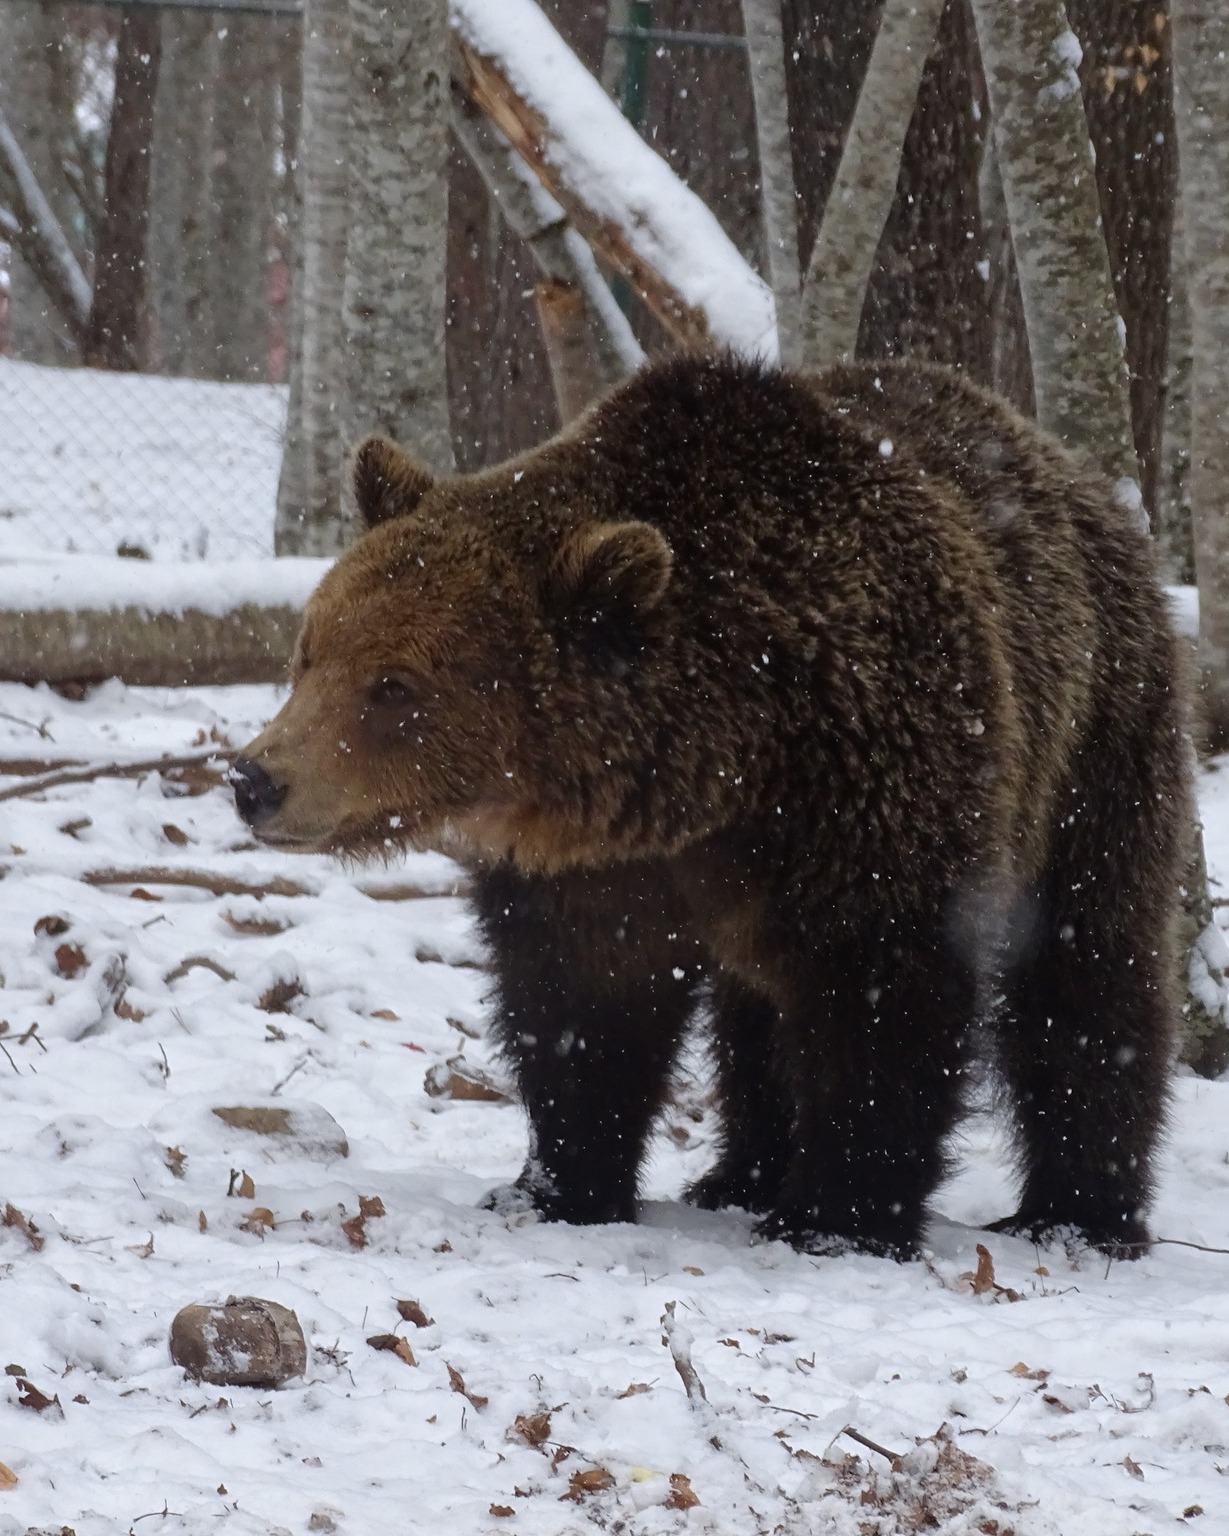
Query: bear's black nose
x=257, y=796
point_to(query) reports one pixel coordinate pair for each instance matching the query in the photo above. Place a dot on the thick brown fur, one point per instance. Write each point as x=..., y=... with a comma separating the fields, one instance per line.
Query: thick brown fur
x=848, y=704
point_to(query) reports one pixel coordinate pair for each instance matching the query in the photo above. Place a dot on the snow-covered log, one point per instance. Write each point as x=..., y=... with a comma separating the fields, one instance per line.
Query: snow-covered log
x=617, y=191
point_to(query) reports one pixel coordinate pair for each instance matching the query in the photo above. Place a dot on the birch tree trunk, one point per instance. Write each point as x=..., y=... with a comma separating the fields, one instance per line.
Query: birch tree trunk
x=1201, y=47
x=394, y=303
x=778, y=195
x=1174, y=490
x=861, y=198
x=309, y=516
x=1041, y=139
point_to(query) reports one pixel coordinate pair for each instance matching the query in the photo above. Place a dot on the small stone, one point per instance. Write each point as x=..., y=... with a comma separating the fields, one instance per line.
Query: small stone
x=306, y=1126
x=248, y=1342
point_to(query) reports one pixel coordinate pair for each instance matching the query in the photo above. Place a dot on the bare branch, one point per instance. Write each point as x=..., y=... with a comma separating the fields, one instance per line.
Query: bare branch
x=40, y=238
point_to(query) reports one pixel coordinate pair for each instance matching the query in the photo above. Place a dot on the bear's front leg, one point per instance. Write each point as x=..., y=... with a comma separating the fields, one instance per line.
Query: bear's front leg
x=877, y=1044
x=594, y=986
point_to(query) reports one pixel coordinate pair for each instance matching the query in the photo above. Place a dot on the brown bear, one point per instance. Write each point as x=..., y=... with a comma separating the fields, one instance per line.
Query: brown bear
x=845, y=710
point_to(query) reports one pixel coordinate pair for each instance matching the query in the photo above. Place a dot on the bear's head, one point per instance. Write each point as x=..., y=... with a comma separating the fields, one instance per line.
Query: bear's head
x=461, y=678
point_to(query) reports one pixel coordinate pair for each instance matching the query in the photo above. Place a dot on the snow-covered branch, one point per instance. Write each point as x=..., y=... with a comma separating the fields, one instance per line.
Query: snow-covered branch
x=617, y=191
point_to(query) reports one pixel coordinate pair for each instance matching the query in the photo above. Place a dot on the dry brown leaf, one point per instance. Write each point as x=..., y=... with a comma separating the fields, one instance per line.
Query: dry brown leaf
x=1051, y=1401
x=8, y=1478
x=457, y=1382
x=13, y=1218
x=386, y=1013
x=70, y=960
x=176, y=1160
x=371, y=1205
x=983, y=1280
x=202, y=1221
x=174, y=834
x=411, y=1312
x=1022, y=1370
x=691, y=1269
x=502, y=1511
x=278, y=997
x=125, y=1010
x=53, y=925
x=682, y=1495
x=1133, y=1467
x=356, y=1231
x=29, y=1396
x=242, y=1184
x=258, y=1220
x=139, y=893
x=636, y=1388
x=144, y=1250
x=582, y=1484
x=532, y=1428
x=395, y=1345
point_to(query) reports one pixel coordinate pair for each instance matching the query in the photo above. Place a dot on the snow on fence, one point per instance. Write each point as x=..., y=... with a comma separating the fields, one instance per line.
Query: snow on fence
x=121, y=463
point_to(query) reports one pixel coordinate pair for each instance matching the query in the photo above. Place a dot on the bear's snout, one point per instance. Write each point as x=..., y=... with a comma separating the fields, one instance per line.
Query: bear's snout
x=257, y=793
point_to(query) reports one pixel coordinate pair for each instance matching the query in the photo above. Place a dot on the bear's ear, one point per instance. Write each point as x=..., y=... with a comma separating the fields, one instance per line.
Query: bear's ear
x=610, y=571
x=387, y=482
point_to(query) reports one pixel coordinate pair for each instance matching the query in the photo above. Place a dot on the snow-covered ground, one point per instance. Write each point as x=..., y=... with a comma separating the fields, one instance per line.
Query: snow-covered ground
x=1079, y=1396
x=96, y=463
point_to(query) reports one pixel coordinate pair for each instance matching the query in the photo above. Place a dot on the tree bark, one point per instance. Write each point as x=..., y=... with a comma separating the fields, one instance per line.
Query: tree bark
x=857, y=208
x=1201, y=46
x=394, y=297
x=1127, y=80
x=778, y=195
x=1041, y=139
x=38, y=235
x=242, y=196
x=37, y=97
x=181, y=222
x=119, y=265
x=1173, y=521
x=309, y=515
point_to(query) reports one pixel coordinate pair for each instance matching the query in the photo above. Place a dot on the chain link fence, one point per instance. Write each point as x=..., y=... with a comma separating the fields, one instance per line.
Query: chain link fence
x=173, y=452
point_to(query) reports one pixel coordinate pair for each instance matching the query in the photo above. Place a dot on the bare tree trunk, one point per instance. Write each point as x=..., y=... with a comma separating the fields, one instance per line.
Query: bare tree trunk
x=245, y=98
x=181, y=196
x=394, y=303
x=1201, y=46
x=309, y=515
x=1041, y=139
x=1173, y=525
x=1011, y=367
x=119, y=265
x=843, y=256
x=590, y=345
x=778, y=196
x=38, y=108
x=1127, y=79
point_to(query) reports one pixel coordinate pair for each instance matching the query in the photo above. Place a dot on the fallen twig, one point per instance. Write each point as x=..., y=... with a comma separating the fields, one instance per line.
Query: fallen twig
x=199, y=879
x=856, y=1434
x=677, y=1340
x=88, y=771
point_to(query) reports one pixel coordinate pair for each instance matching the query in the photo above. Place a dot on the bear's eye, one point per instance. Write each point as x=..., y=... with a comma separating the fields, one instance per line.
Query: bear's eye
x=391, y=693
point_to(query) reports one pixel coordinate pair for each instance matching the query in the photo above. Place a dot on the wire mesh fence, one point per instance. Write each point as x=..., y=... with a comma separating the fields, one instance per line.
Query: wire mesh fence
x=168, y=446
x=128, y=464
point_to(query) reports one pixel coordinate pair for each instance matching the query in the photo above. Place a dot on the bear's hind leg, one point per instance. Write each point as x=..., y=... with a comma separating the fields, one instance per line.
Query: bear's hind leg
x=595, y=986
x=756, y=1102
x=877, y=1040
x=1084, y=1046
